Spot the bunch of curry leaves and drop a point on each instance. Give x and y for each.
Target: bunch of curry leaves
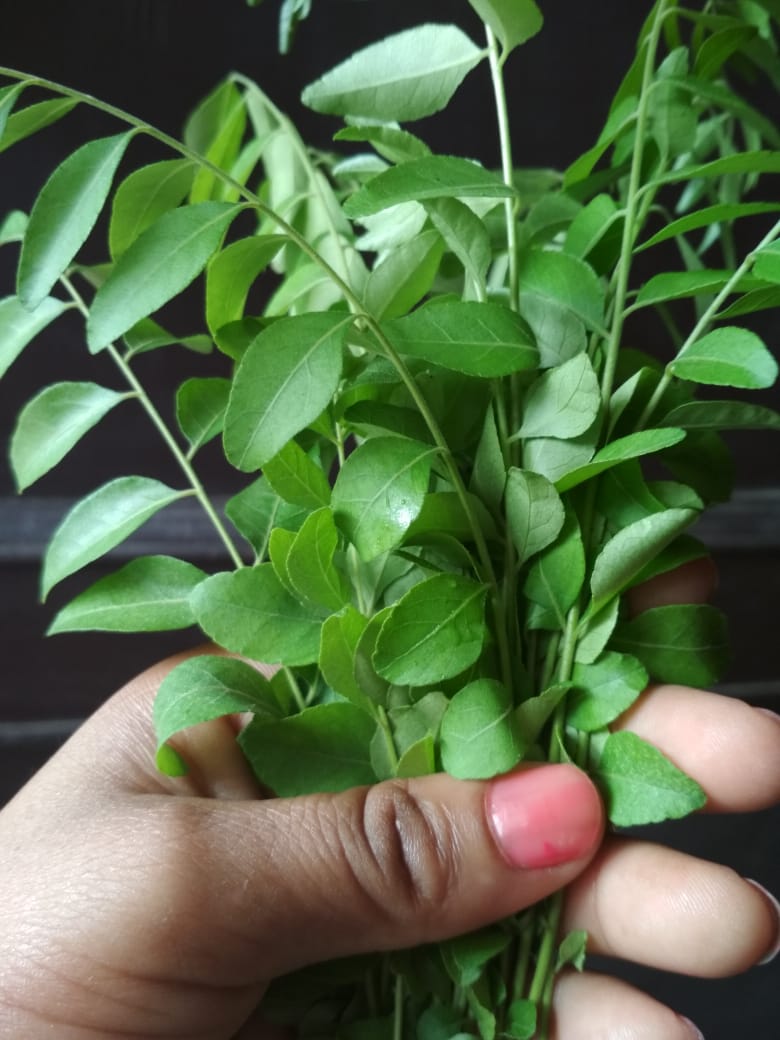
(443, 427)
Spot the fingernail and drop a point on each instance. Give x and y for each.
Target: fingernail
(775, 948)
(544, 816)
(772, 714)
(695, 1031)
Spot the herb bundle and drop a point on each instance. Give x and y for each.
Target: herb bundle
(456, 464)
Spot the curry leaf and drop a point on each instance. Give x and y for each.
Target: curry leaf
(200, 409)
(727, 357)
(534, 512)
(564, 401)
(603, 690)
(479, 737)
(682, 643)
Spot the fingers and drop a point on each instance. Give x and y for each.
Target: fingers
(693, 582)
(731, 749)
(665, 909)
(597, 1007)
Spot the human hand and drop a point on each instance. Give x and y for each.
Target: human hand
(135, 905)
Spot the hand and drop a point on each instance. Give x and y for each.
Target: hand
(139, 906)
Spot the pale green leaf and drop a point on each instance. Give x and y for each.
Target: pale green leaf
(391, 142)
(200, 409)
(310, 565)
(464, 234)
(596, 632)
(512, 21)
(297, 478)
(64, 213)
(53, 422)
(404, 77)
(572, 950)
(160, 263)
(722, 212)
(681, 643)
(231, 273)
(634, 445)
(479, 737)
(101, 521)
(19, 326)
(150, 594)
(603, 690)
(144, 196)
(556, 577)
(559, 333)
(29, 120)
(12, 227)
(404, 277)
(566, 280)
(8, 98)
(563, 402)
(534, 510)
(727, 357)
(767, 263)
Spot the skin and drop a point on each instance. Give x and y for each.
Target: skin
(139, 906)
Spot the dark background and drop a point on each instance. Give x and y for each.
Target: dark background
(157, 58)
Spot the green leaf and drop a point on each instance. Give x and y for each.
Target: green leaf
(250, 612)
(391, 142)
(404, 277)
(596, 633)
(534, 510)
(257, 509)
(433, 177)
(160, 263)
(8, 98)
(286, 378)
(380, 491)
(559, 333)
(533, 713)
(412, 722)
(564, 400)
(521, 1020)
(64, 214)
(633, 446)
(19, 326)
(767, 264)
(206, 687)
(310, 566)
(404, 77)
(684, 644)
(443, 515)
(101, 521)
(419, 759)
(641, 786)
(297, 478)
(150, 594)
(703, 461)
(12, 227)
(512, 21)
(752, 163)
(231, 274)
(677, 285)
(29, 120)
(603, 690)
(727, 357)
(148, 335)
(144, 196)
(554, 458)
(53, 422)
(433, 633)
(200, 409)
(556, 577)
(477, 339)
(324, 748)
(572, 950)
(488, 478)
(341, 634)
(723, 415)
(718, 48)
(632, 548)
(466, 956)
(215, 130)
(464, 234)
(721, 213)
(479, 737)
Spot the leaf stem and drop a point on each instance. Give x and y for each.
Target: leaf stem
(507, 166)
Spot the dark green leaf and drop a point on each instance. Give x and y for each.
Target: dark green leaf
(279, 545)
(723, 415)
(150, 594)
(404, 277)
(521, 1020)
(433, 633)
(466, 956)
(641, 786)
(257, 509)
(464, 234)
(200, 409)
(64, 214)
(159, 264)
(767, 263)
(703, 461)
(148, 335)
(533, 713)
(404, 77)
(231, 274)
(621, 450)
(741, 162)
(556, 577)
(310, 565)
(512, 21)
(250, 612)
(433, 177)
(286, 378)
(534, 510)
(722, 212)
(478, 339)
(677, 285)
(19, 326)
(596, 633)
(101, 521)
(564, 401)
(144, 196)
(325, 748)
(297, 478)
(443, 515)
(718, 48)
(488, 477)
(340, 637)
(757, 300)
(727, 357)
(684, 644)
(29, 120)
(479, 736)
(8, 98)
(603, 690)
(380, 491)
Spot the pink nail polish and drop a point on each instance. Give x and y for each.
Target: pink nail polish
(544, 816)
(775, 949)
(695, 1031)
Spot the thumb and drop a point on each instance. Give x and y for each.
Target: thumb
(402, 863)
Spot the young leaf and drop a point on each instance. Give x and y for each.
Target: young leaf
(433, 177)
(391, 142)
(200, 409)
(324, 748)
(207, 687)
(12, 227)
(297, 478)
(285, 380)
(621, 450)
(678, 285)
(404, 277)
(310, 566)
(684, 643)
(379, 492)
(566, 281)
(477, 339)
(279, 545)
(727, 357)
(572, 950)
(559, 334)
(767, 264)
(433, 633)
(100, 521)
(404, 77)
(8, 98)
(641, 786)
(419, 759)
(257, 509)
(19, 326)
(521, 1020)
(64, 214)
(488, 477)
(632, 548)
(533, 713)
(338, 645)
(52, 422)
(250, 612)
(149, 594)
(512, 21)
(144, 196)
(723, 415)
(159, 264)
(479, 737)
(603, 690)
(723, 212)
(231, 274)
(563, 402)
(466, 956)
(29, 120)
(535, 512)
(555, 578)
(464, 234)
(596, 633)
